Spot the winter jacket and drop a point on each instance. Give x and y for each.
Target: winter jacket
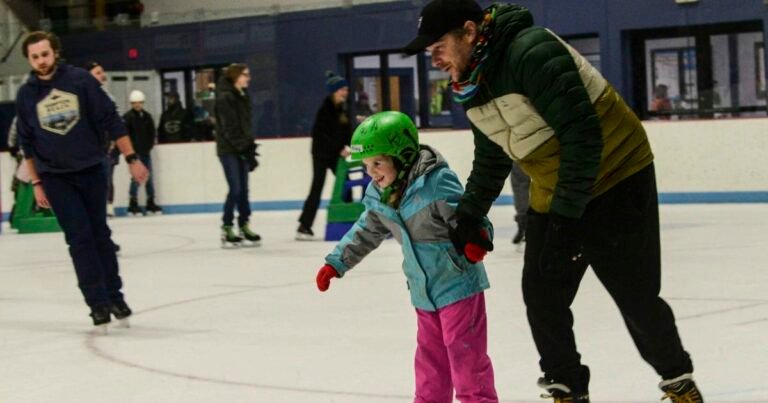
(332, 129)
(62, 121)
(543, 105)
(437, 275)
(175, 125)
(141, 128)
(233, 119)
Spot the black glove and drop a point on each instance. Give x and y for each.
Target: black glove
(469, 230)
(248, 154)
(562, 251)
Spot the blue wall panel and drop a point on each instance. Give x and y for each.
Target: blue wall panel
(290, 52)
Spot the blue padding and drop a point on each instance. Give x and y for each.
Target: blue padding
(664, 198)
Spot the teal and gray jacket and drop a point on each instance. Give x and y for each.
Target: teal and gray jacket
(542, 104)
(437, 275)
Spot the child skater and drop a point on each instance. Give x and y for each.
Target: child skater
(412, 196)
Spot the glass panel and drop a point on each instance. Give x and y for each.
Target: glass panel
(366, 87)
(440, 96)
(721, 73)
(751, 85)
(173, 81)
(403, 85)
(671, 69)
(204, 87)
(589, 48)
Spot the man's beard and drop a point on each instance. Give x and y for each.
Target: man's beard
(46, 70)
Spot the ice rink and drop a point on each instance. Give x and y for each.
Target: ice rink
(249, 325)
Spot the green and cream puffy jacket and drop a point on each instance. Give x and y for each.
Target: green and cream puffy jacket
(541, 104)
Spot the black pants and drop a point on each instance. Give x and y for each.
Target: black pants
(622, 246)
(320, 166)
(77, 199)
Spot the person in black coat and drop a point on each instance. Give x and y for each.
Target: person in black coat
(330, 140)
(236, 150)
(175, 122)
(141, 128)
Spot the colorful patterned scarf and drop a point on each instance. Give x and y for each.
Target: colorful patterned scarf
(465, 90)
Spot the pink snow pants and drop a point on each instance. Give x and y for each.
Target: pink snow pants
(452, 353)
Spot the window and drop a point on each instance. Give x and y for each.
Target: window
(701, 71)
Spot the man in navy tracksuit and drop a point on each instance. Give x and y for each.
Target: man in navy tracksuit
(62, 116)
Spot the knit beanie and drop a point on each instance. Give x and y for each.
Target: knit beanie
(334, 82)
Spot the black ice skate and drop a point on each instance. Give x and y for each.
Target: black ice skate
(100, 315)
(153, 208)
(561, 393)
(681, 390)
(121, 311)
(304, 234)
(228, 237)
(249, 237)
(134, 209)
(519, 239)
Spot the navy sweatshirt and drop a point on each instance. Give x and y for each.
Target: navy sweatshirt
(62, 121)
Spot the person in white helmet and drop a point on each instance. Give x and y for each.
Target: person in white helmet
(141, 128)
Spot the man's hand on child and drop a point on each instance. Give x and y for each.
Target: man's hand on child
(324, 277)
(474, 252)
(470, 231)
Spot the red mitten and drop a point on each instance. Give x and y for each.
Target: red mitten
(474, 252)
(324, 277)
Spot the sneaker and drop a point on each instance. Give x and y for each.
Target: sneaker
(561, 393)
(681, 390)
(304, 234)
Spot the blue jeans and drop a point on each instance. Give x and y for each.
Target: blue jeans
(150, 187)
(236, 172)
(78, 200)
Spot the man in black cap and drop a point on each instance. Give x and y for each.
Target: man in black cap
(535, 100)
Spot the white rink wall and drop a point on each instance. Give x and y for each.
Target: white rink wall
(696, 161)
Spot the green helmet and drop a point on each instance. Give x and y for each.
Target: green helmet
(389, 133)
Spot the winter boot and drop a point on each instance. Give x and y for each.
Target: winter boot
(250, 238)
(100, 316)
(133, 208)
(228, 237)
(153, 208)
(304, 234)
(681, 390)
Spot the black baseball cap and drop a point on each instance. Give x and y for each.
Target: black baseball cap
(440, 17)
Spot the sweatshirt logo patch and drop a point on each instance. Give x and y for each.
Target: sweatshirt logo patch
(58, 112)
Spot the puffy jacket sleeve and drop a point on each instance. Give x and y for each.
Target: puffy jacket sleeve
(229, 122)
(448, 192)
(550, 79)
(490, 169)
(364, 236)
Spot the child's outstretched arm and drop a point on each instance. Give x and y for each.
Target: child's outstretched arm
(364, 236)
